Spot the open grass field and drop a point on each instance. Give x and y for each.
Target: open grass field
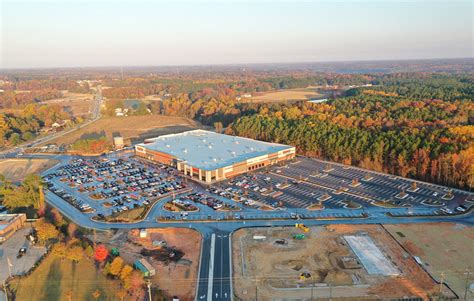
(55, 278)
(442, 247)
(77, 104)
(276, 267)
(16, 169)
(134, 128)
(284, 95)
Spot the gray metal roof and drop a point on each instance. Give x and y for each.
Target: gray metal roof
(208, 150)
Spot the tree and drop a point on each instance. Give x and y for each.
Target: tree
(106, 270)
(57, 217)
(126, 271)
(45, 230)
(116, 266)
(75, 253)
(101, 253)
(60, 250)
(134, 283)
(89, 251)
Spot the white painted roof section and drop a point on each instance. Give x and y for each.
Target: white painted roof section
(209, 150)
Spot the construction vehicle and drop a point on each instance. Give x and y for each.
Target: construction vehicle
(305, 276)
(302, 227)
(299, 236)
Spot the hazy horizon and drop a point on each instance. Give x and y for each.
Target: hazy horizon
(78, 33)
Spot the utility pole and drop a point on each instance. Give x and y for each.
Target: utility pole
(441, 284)
(148, 284)
(312, 289)
(467, 273)
(256, 292)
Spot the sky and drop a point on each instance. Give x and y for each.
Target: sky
(77, 33)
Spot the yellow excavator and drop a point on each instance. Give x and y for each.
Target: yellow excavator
(302, 227)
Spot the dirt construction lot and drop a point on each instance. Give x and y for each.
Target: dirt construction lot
(442, 247)
(284, 95)
(176, 275)
(284, 267)
(77, 104)
(131, 127)
(16, 169)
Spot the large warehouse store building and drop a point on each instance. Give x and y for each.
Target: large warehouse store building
(210, 157)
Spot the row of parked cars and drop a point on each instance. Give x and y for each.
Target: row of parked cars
(84, 207)
(123, 184)
(235, 194)
(458, 209)
(207, 200)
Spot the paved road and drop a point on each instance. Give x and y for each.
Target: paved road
(98, 100)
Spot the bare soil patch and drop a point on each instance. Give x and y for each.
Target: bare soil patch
(173, 252)
(284, 95)
(15, 170)
(77, 104)
(277, 268)
(136, 128)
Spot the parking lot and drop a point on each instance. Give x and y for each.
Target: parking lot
(107, 186)
(305, 188)
(9, 252)
(306, 182)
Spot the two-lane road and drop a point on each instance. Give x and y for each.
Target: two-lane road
(215, 268)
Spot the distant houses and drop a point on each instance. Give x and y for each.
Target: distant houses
(119, 112)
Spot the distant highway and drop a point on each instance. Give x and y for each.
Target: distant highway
(98, 100)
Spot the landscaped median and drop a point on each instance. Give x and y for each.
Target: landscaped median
(241, 217)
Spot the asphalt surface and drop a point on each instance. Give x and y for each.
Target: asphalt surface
(9, 251)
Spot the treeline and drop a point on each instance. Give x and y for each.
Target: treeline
(15, 100)
(47, 83)
(424, 86)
